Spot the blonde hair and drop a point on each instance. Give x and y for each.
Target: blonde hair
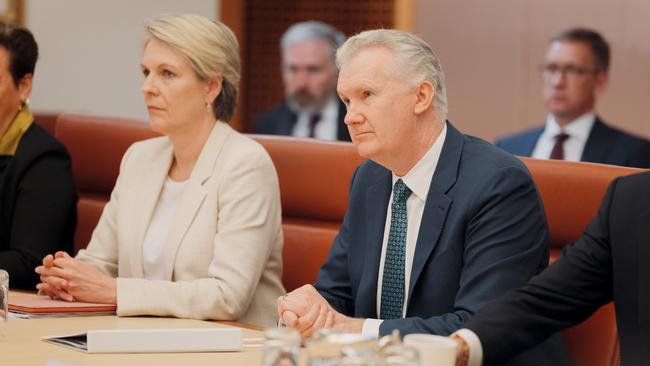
(210, 47)
(412, 56)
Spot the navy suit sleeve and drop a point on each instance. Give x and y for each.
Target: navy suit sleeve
(333, 280)
(565, 294)
(505, 244)
(40, 223)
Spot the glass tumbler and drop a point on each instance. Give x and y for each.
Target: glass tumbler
(4, 300)
(281, 347)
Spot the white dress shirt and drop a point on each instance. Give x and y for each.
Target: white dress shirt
(161, 220)
(418, 180)
(326, 128)
(578, 131)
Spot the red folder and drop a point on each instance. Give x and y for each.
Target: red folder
(38, 304)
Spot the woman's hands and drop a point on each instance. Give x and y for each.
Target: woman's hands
(66, 278)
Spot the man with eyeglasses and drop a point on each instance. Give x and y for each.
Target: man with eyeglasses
(574, 76)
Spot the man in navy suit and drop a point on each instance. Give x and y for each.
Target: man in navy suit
(438, 222)
(309, 73)
(574, 75)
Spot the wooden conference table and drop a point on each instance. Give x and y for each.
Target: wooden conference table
(22, 343)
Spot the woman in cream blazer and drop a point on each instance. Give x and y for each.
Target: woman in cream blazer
(193, 227)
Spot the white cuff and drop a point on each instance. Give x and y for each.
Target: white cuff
(371, 327)
(475, 347)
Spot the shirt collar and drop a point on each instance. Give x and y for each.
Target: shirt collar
(579, 128)
(9, 141)
(418, 179)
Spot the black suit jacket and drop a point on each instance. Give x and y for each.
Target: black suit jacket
(280, 120)
(605, 145)
(610, 261)
(37, 205)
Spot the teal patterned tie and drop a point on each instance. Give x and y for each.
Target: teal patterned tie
(392, 287)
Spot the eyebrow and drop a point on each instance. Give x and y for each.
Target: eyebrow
(163, 65)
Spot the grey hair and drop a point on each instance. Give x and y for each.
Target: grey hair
(312, 30)
(413, 56)
(210, 47)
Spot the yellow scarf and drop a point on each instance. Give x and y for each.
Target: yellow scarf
(20, 124)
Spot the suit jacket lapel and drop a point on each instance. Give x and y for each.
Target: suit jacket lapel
(377, 197)
(528, 146)
(643, 250)
(595, 150)
(286, 121)
(437, 204)
(195, 193)
(151, 183)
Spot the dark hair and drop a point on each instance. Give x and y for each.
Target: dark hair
(598, 44)
(22, 49)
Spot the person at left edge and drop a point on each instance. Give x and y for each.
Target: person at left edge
(193, 227)
(37, 195)
(438, 222)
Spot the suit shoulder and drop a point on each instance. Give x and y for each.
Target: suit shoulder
(265, 121)
(36, 142)
(480, 154)
(520, 137)
(244, 148)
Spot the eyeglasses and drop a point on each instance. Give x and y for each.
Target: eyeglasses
(569, 71)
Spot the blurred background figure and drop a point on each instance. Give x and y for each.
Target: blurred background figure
(192, 229)
(309, 73)
(574, 76)
(37, 195)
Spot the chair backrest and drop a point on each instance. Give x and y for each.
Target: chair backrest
(96, 145)
(314, 180)
(572, 193)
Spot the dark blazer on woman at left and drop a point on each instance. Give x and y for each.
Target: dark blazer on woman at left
(37, 205)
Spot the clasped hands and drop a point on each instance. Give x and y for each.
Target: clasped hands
(307, 311)
(69, 279)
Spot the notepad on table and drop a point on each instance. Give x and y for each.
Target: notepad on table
(33, 305)
(152, 340)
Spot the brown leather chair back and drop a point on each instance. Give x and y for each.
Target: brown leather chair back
(572, 193)
(314, 180)
(47, 121)
(96, 145)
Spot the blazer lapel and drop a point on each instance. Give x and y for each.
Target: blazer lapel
(595, 150)
(152, 182)
(377, 197)
(437, 204)
(195, 193)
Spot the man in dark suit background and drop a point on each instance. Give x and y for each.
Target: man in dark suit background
(574, 76)
(309, 73)
(438, 222)
(608, 262)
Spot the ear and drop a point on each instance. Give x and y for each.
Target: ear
(25, 87)
(213, 89)
(424, 95)
(602, 80)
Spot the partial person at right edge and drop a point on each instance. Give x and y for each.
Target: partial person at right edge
(574, 76)
(609, 262)
(37, 195)
(309, 73)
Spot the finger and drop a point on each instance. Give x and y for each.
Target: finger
(329, 322)
(47, 261)
(47, 289)
(318, 324)
(298, 306)
(52, 271)
(61, 254)
(290, 319)
(62, 262)
(56, 283)
(65, 296)
(306, 321)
